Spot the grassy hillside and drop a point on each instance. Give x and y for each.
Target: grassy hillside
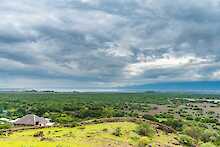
(98, 135)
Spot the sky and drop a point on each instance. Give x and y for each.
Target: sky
(106, 44)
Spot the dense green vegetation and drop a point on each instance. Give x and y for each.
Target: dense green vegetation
(69, 107)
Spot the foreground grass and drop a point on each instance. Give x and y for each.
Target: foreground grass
(99, 135)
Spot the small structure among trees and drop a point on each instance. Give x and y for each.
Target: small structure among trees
(32, 120)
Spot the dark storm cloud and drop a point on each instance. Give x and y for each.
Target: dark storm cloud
(102, 43)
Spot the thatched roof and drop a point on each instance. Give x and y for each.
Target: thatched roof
(30, 119)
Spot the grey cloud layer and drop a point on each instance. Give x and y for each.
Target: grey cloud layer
(108, 43)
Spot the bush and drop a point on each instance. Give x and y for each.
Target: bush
(39, 134)
(117, 132)
(209, 120)
(189, 117)
(164, 115)
(105, 130)
(209, 136)
(2, 133)
(198, 119)
(217, 141)
(175, 124)
(145, 130)
(5, 126)
(149, 117)
(194, 132)
(187, 140)
(143, 142)
(208, 145)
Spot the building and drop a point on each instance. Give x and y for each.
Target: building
(32, 120)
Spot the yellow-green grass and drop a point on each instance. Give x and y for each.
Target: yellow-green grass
(98, 135)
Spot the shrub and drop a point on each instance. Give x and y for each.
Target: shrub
(175, 124)
(145, 130)
(194, 132)
(143, 142)
(217, 141)
(39, 134)
(82, 128)
(117, 132)
(209, 120)
(105, 130)
(209, 136)
(187, 140)
(164, 115)
(5, 126)
(189, 117)
(208, 145)
(2, 133)
(150, 117)
(198, 119)
(46, 139)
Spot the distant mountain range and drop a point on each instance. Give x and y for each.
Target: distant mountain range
(195, 86)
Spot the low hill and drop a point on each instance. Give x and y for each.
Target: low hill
(117, 134)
